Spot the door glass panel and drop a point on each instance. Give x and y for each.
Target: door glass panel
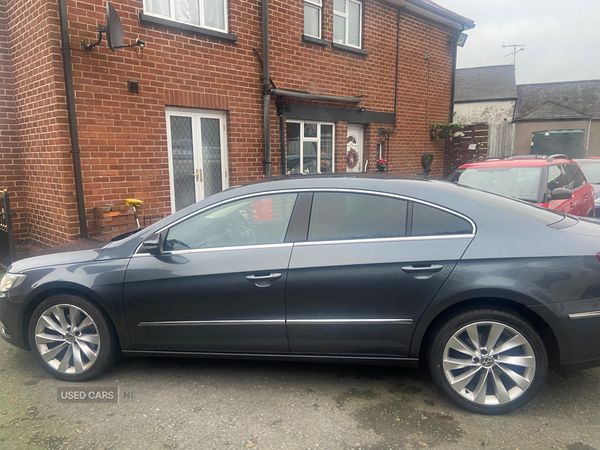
(309, 157)
(211, 156)
(429, 221)
(182, 151)
(326, 148)
(250, 221)
(338, 215)
(293, 147)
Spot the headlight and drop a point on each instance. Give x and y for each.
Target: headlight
(597, 201)
(11, 281)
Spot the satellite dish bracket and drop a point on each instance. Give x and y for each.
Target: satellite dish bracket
(91, 45)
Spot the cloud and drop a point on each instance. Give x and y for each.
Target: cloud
(562, 39)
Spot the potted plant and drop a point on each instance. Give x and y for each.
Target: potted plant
(381, 165)
(444, 130)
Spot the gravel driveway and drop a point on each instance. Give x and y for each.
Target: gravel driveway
(223, 404)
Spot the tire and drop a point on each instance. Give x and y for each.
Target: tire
(482, 380)
(86, 349)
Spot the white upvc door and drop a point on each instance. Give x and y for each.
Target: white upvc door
(355, 142)
(197, 145)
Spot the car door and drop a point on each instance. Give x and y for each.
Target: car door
(219, 285)
(583, 197)
(369, 268)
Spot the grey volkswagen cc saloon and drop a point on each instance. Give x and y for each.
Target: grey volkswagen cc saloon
(489, 292)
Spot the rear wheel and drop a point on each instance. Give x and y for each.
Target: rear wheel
(72, 338)
(489, 361)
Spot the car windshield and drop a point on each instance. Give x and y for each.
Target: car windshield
(591, 170)
(517, 182)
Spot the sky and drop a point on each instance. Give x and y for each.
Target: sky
(562, 37)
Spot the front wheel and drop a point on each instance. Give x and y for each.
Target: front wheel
(72, 338)
(489, 361)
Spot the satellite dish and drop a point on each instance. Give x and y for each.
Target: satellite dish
(114, 28)
(114, 33)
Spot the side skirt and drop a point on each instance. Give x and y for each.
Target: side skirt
(411, 363)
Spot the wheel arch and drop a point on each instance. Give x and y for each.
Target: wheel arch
(547, 330)
(41, 294)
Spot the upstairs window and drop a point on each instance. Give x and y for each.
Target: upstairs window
(203, 13)
(312, 18)
(347, 18)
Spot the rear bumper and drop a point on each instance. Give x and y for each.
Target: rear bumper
(576, 326)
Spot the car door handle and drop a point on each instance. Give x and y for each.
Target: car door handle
(263, 280)
(423, 272)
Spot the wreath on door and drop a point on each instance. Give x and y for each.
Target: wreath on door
(352, 158)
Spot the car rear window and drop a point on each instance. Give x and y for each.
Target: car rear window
(591, 170)
(429, 221)
(517, 182)
(526, 210)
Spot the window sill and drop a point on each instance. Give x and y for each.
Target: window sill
(147, 19)
(314, 40)
(347, 48)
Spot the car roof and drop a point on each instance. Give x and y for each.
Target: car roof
(516, 162)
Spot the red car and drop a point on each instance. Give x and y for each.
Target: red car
(554, 182)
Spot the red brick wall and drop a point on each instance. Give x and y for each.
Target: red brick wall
(11, 177)
(123, 135)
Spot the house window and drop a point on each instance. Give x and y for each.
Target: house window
(347, 16)
(204, 13)
(312, 18)
(309, 147)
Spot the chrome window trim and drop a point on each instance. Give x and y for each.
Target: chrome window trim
(299, 190)
(375, 240)
(585, 315)
(214, 249)
(348, 321)
(192, 323)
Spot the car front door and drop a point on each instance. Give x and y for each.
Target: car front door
(219, 285)
(368, 270)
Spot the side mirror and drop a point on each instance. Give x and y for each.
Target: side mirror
(153, 244)
(561, 194)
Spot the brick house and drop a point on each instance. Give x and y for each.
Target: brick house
(368, 76)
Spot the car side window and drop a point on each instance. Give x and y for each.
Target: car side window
(556, 178)
(341, 215)
(430, 221)
(249, 221)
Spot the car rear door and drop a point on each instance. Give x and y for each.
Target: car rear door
(369, 268)
(583, 193)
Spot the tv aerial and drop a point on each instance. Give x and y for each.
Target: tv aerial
(516, 49)
(114, 33)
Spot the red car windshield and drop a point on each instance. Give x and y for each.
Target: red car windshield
(517, 182)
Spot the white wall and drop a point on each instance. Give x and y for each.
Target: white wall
(484, 112)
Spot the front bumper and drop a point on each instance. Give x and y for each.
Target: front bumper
(11, 321)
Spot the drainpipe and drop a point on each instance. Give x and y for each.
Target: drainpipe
(266, 90)
(397, 62)
(66, 49)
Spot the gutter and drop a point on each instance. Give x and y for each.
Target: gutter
(70, 93)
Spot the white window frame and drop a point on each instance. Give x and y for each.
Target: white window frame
(317, 140)
(317, 4)
(200, 13)
(345, 16)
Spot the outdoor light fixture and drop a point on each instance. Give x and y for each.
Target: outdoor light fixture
(462, 39)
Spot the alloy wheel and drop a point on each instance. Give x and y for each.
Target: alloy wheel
(489, 363)
(67, 339)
